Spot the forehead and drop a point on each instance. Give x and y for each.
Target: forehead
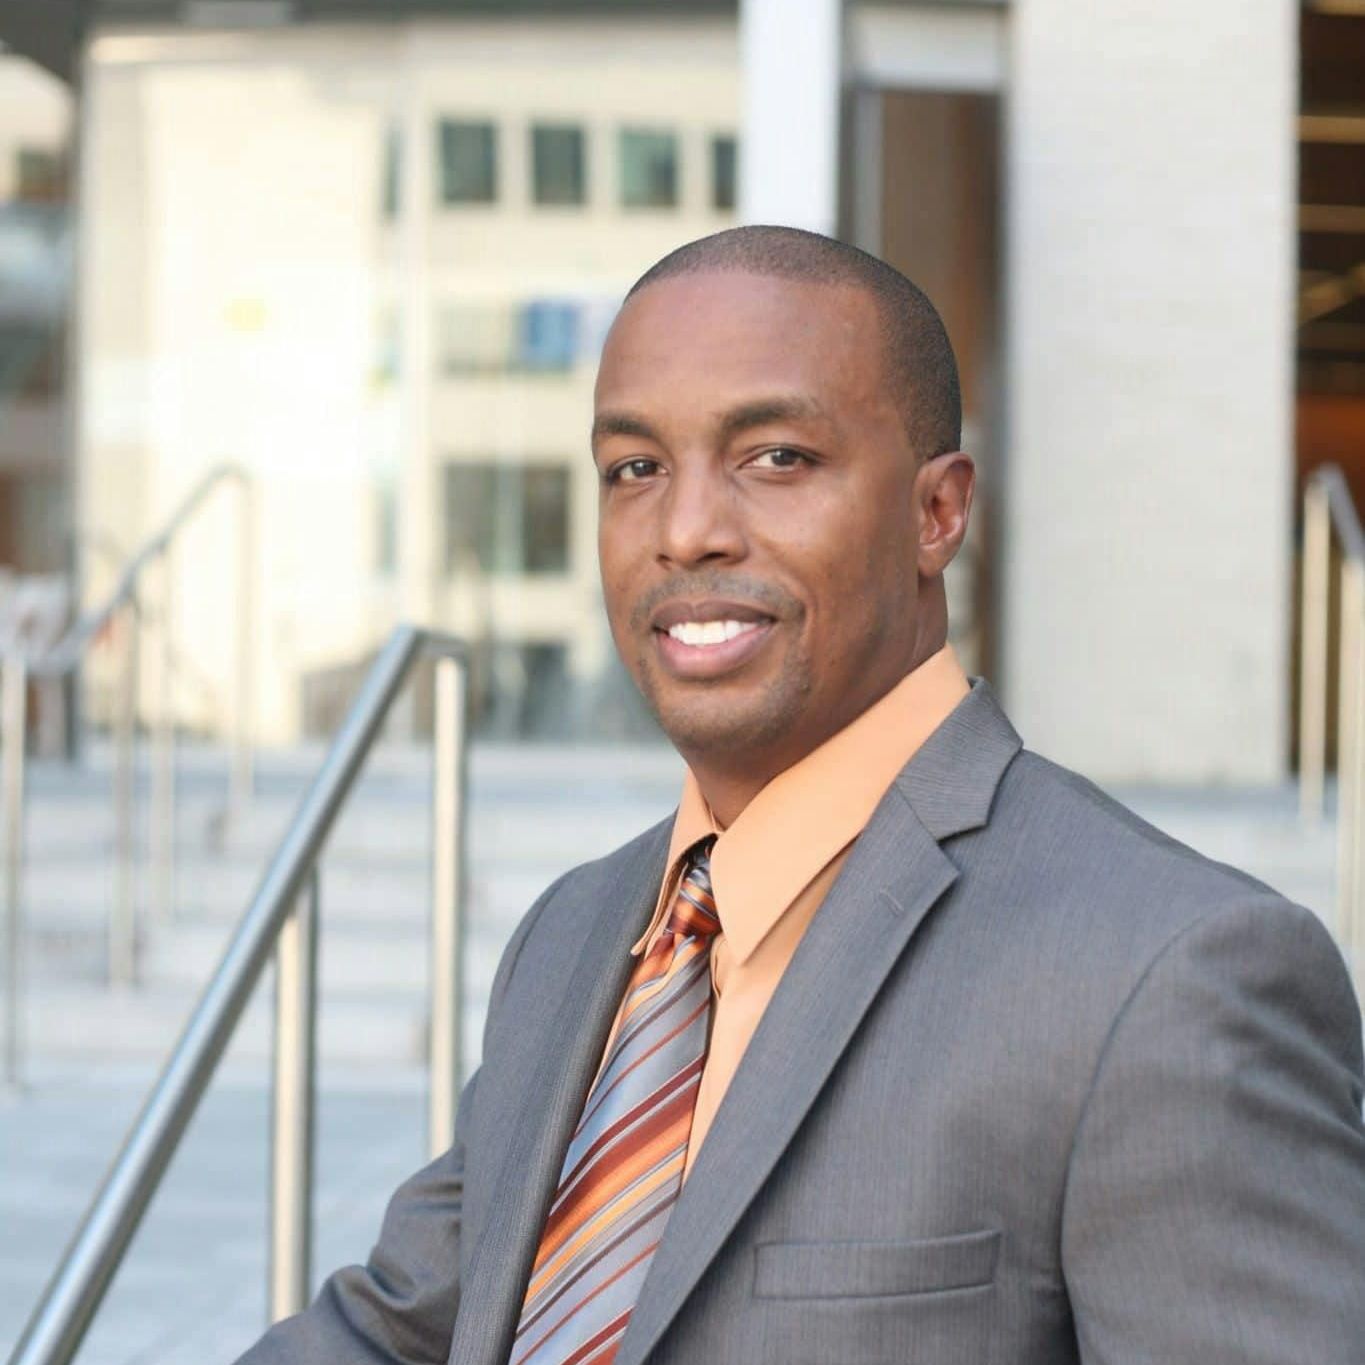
(721, 337)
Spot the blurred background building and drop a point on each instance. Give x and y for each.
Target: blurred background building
(336, 273)
(368, 253)
(373, 265)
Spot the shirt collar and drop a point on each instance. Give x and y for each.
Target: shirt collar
(809, 813)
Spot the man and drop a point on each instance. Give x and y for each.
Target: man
(897, 1042)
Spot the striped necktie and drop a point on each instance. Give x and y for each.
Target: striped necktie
(624, 1167)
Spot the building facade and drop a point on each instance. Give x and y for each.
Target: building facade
(374, 266)
(35, 269)
(1136, 352)
(372, 262)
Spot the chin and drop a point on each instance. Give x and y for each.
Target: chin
(690, 733)
(727, 717)
(718, 726)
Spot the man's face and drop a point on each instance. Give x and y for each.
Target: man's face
(759, 518)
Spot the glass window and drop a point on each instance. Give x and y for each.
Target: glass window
(558, 165)
(541, 336)
(30, 360)
(528, 693)
(547, 335)
(476, 338)
(393, 170)
(387, 349)
(386, 525)
(649, 169)
(34, 286)
(39, 175)
(723, 159)
(512, 518)
(468, 162)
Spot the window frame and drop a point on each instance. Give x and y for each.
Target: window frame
(446, 127)
(626, 132)
(579, 131)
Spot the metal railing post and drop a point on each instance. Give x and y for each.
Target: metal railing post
(447, 891)
(1348, 743)
(1353, 591)
(1317, 553)
(163, 752)
(14, 708)
(123, 912)
(292, 1120)
(242, 776)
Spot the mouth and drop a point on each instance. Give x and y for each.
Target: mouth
(708, 639)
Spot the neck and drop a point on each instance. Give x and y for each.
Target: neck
(727, 794)
(731, 779)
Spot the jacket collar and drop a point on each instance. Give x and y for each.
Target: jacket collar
(951, 780)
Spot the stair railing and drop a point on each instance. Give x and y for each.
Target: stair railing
(1328, 511)
(122, 611)
(282, 918)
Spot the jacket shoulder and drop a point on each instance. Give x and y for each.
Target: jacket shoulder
(1087, 861)
(1082, 812)
(1066, 886)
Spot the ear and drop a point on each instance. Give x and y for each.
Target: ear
(944, 487)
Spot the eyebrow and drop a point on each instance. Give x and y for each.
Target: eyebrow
(764, 410)
(757, 413)
(621, 424)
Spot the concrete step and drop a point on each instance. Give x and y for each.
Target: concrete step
(59, 830)
(354, 888)
(75, 1023)
(376, 914)
(126, 1027)
(388, 961)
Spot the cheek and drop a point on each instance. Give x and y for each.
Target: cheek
(611, 565)
(861, 586)
(622, 584)
(828, 541)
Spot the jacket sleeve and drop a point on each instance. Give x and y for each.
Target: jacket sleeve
(1215, 1202)
(399, 1307)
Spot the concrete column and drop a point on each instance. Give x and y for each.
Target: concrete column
(1147, 558)
(791, 54)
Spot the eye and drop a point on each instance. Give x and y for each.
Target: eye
(780, 457)
(631, 471)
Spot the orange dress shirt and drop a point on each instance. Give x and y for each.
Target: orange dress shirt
(771, 869)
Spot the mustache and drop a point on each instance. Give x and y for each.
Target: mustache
(766, 596)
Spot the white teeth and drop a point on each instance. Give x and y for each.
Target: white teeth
(709, 632)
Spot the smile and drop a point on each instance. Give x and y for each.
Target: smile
(697, 650)
(710, 632)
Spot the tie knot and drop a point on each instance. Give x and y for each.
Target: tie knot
(694, 906)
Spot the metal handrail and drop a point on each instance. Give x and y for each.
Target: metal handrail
(1329, 509)
(122, 605)
(283, 917)
(68, 652)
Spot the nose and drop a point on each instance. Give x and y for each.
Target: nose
(700, 523)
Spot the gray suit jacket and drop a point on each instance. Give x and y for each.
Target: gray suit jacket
(1040, 1085)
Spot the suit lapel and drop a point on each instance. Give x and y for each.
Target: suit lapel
(893, 877)
(538, 1127)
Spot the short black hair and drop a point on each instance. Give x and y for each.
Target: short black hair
(919, 358)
